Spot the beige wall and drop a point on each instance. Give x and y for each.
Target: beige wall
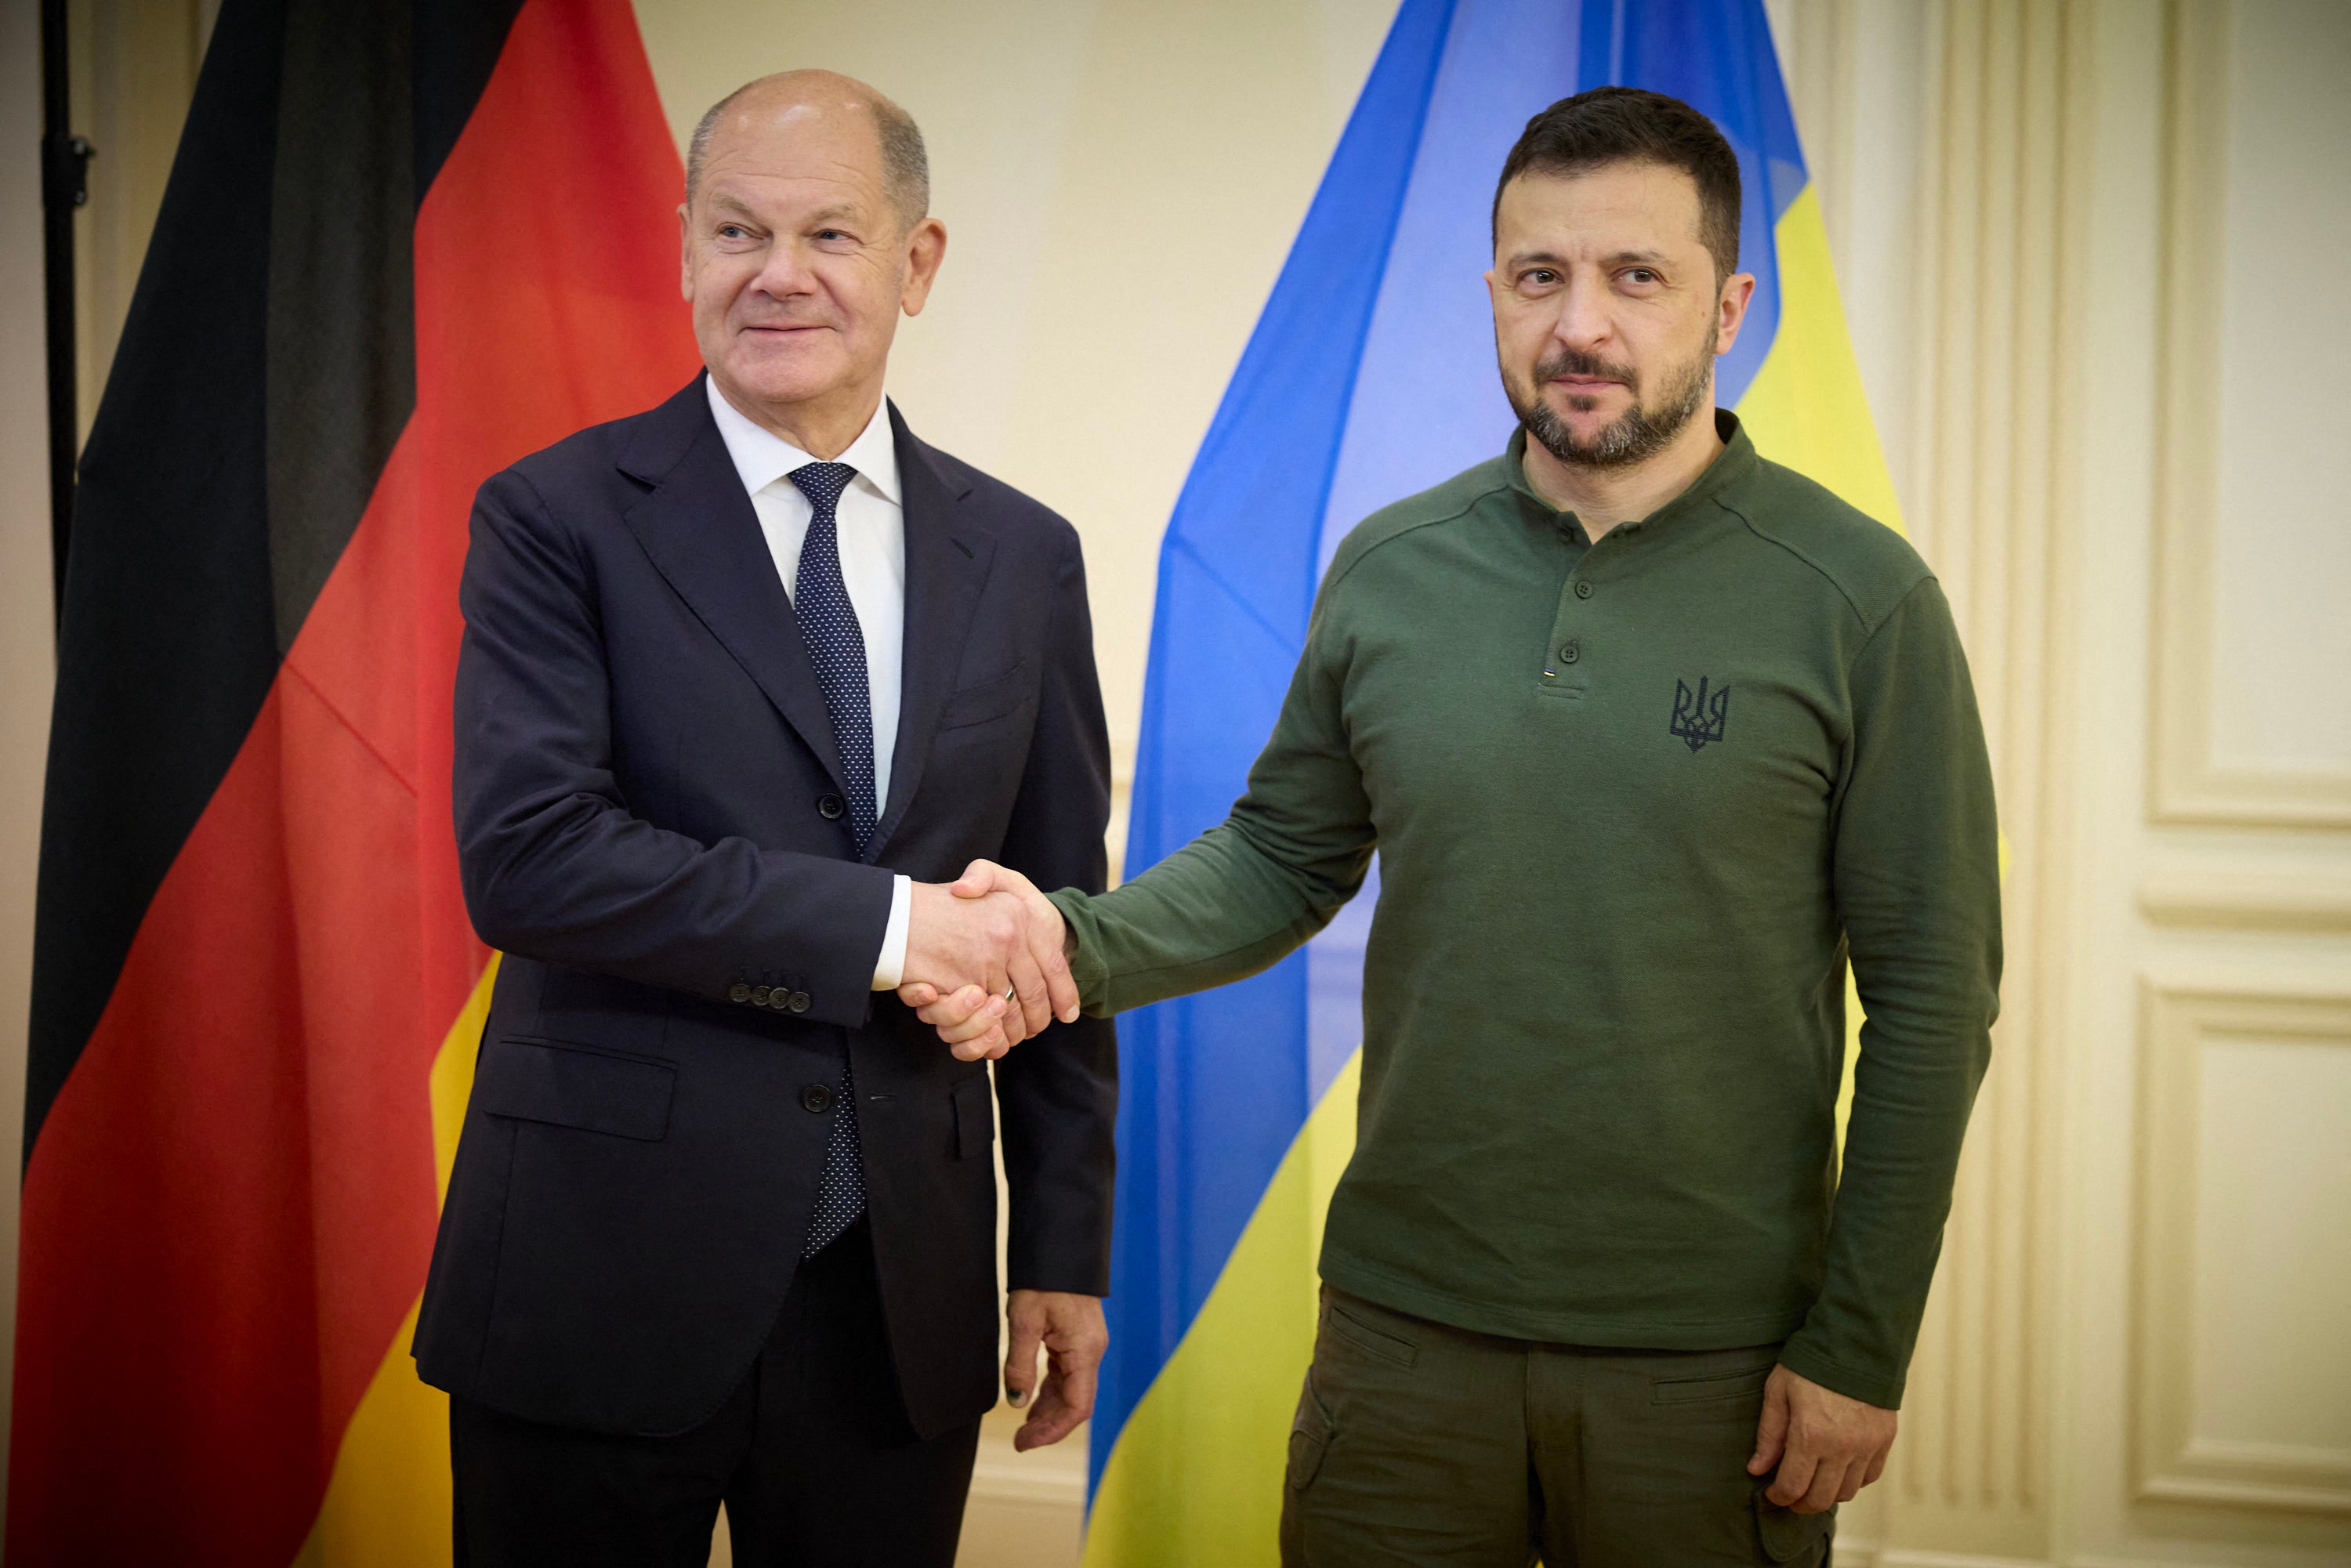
(135, 68)
(2087, 249)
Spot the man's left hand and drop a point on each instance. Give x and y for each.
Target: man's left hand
(1070, 1330)
(1827, 1447)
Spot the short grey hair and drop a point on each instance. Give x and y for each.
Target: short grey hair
(906, 164)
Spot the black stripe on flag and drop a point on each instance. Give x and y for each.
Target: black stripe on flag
(265, 370)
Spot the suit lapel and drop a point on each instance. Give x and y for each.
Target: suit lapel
(703, 537)
(947, 558)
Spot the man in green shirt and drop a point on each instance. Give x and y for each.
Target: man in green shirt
(1652, 738)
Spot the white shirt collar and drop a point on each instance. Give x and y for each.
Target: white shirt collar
(762, 457)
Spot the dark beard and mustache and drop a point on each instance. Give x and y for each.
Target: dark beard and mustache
(1639, 433)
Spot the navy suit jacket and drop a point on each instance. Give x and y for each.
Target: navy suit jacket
(649, 828)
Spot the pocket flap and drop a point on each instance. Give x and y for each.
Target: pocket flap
(1789, 1536)
(576, 1086)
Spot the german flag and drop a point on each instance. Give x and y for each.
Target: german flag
(405, 241)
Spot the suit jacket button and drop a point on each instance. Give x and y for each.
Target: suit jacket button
(760, 995)
(796, 1002)
(816, 1099)
(738, 992)
(831, 808)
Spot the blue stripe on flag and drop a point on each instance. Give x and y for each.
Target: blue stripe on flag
(1215, 1087)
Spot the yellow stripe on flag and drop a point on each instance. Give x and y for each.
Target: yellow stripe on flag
(1196, 1475)
(387, 1503)
(452, 1077)
(1806, 408)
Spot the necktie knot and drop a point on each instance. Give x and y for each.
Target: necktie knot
(822, 483)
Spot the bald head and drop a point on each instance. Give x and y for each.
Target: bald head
(906, 166)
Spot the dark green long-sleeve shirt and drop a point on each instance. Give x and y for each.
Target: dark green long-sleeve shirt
(1635, 802)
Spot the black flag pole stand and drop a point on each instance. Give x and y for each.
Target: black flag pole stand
(64, 186)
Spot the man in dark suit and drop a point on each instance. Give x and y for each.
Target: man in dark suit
(745, 679)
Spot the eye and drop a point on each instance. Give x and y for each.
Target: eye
(1641, 275)
(731, 231)
(1539, 276)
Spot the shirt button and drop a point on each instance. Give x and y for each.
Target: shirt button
(738, 992)
(816, 1099)
(1583, 591)
(796, 1002)
(831, 806)
(1569, 653)
(759, 996)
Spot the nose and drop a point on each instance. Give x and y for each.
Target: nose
(1583, 320)
(786, 272)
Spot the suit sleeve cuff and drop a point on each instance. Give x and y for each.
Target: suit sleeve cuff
(890, 966)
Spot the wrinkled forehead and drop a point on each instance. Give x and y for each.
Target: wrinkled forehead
(1601, 211)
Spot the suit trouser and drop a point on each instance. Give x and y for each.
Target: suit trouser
(1416, 1444)
(812, 1455)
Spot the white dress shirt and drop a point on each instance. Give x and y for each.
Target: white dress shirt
(871, 523)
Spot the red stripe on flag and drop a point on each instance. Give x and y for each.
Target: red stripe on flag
(230, 1207)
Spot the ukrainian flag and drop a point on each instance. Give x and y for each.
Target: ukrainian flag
(1370, 376)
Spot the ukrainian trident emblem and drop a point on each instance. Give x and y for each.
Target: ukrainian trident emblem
(1698, 715)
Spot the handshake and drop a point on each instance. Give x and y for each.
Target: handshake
(986, 961)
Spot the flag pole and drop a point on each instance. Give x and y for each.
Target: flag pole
(64, 186)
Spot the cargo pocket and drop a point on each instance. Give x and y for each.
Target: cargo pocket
(1800, 1540)
(1310, 1432)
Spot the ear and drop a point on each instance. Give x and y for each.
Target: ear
(1731, 310)
(926, 246)
(684, 256)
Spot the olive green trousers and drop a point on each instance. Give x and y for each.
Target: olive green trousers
(1418, 1445)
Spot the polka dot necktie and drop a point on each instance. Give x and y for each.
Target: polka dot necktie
(836, 646)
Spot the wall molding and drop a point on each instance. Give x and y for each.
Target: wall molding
(2248, 902)
(2006, 157)
(2187, 783)
(2170, 1462)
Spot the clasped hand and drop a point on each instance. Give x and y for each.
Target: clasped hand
(985, 964)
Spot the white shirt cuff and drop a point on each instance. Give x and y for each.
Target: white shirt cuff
(889, 968)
